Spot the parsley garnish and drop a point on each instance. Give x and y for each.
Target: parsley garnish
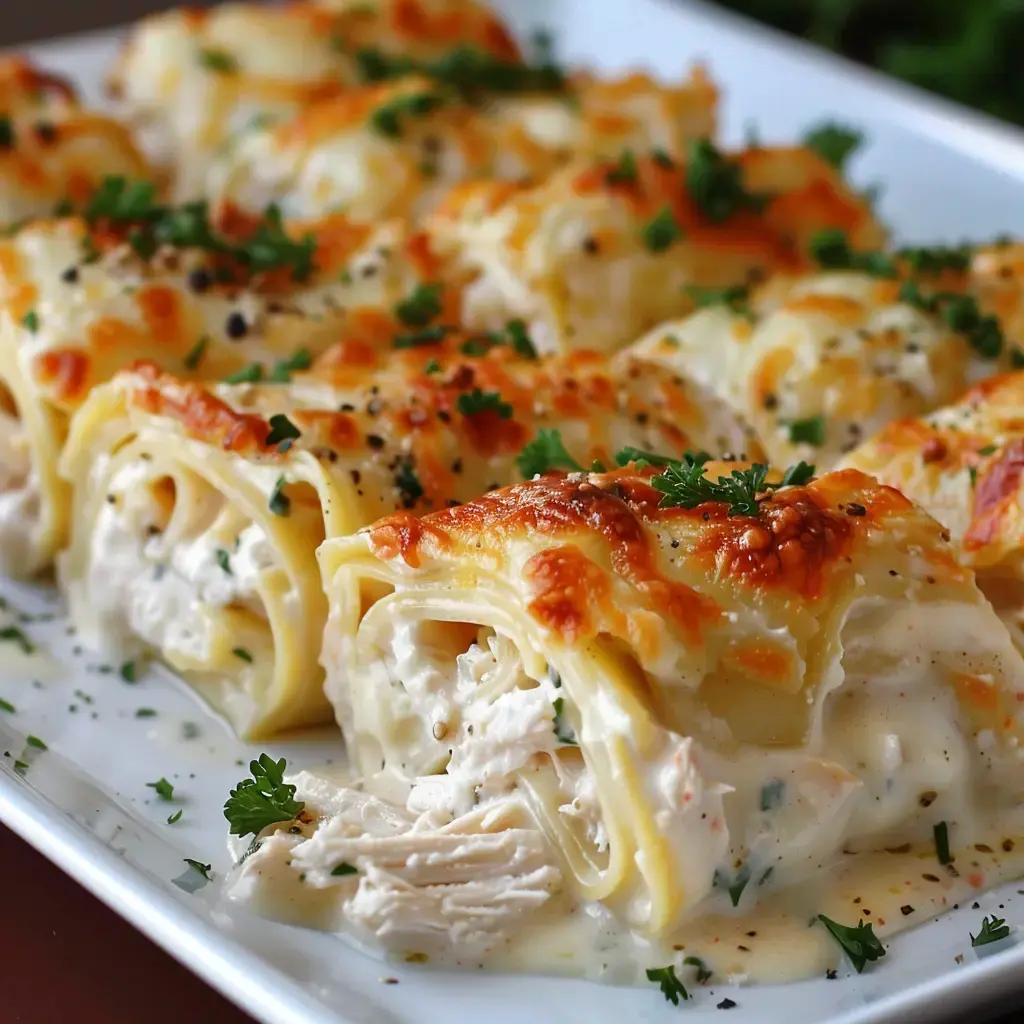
(703, 971)
(224, 561)
(408, 483)
(624, 172)
(17, 636)
(661, 232)
(934, 259)
(251, 374)
(284, 368)
(344, 868)
(175, 817)
(422, 306)
(992, 930)
(263, 800)
(736, 885)
(834, 142)
(203, 869)
(432, 367)
(145, 713)
(860, 944)
(798, 475)
(31, 321)
(242, 654)
(118, 199)
(35, 741)
(6, 705)
(519, 339)
(218, 60)
(716, 184)
(831, 248)
(962, 314)
(736, 298)
(196, 353)
(387, 118)
(685, 484)
(280, 504)
(281, 429)
(545, 452)
(941, 831)
(771, 794)
(562, 731)
(428, 336)
(271, 247)
(671, 987)
(128, 672)
(163, 788)
(808, 431)
(642, 458)
(472, 403)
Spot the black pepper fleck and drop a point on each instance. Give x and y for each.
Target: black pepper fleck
(235, 326)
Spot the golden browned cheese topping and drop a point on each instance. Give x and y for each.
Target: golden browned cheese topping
(20, 78)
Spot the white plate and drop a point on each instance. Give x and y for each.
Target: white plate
(947, 175)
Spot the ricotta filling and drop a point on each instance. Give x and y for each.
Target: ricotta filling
(21, 499)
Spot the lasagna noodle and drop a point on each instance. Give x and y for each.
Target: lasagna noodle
(600, 252)
(189, 80)
(816, 364)
(77, 303)
(395, 148)
(713, 687)
(195, 537)
(53, 151)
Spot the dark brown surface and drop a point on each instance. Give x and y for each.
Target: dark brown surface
(66, 959)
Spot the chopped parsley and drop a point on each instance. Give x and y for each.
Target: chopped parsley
(716, 185)
(118, 199)
(196, 353)
(175, 817)
(771, 794)
(563, 732)
(624, 172)
(242, 654)
(145, 713)
(736, 298)
(735, 885)
(703, 971)
(671, 987)
(407, 483)
(15, 635)
(218, 60)
(661, 232)
(937, 258)
(6, 133)
(284, 368)
(224, 561)
(344, 868)
(519, 339)
(6, 705)
(475, 402)
(422, 306)
(961, 314)
(798, 475)
(544, 453)
(163, 788)
(279, 503)
(427, 336)
(833, 142)
(941, 832)
(263, 800)
(860, 944)
(31, 321)
(831, 249)
(35, 741)
(432, 367)
(685, 484)
(203, 869)
(281, 430)
(808, 431)
(251, 374)
(388, 117)
(129, 672)
(992, 930)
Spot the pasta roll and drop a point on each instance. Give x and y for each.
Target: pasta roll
(190, 80)
(601, 252)
(198, 511)
(817, 364)
(395, 148)
(80, 299)
(674, 709)
(52, 151)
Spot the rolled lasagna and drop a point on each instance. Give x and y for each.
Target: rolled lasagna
(965, 464)
(81, 298)
(648, 715)
(603, 251)
(819, 363)
(52, 151)
(395, 148)
(190, 79)
(198, 511)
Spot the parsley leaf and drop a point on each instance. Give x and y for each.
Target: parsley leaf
(279, 503)
(703, 971)
(407, 483)
(808, 431)
(685, 484)
(196, 353)
(129, 672)
(519, 339)
(545, 452)
(281, 429)
(798, 475)
(624, 456)
(941, 831)
(671, 987)
(344, 868)
(860, 944)
(422, 306)
(834, 142)
(224, 561)
(387, 118)
(271, 247)
(992, 930)
(472, 403)
(563, 732)
(624, 172)
(6, 705)
(661, 232)
(242, 654)
(118, 199)
(31, 321)
(6, 133)
(251, 374)
(934, 259)
(716, 184)
(218, 60)
(427, 336)
(735, 297)
(163, 788)
(175, 817)
(35, 741)
(203, 869)
(735, 885)
(263, 800)
(284, 368)
(17, 635)
(831, 248)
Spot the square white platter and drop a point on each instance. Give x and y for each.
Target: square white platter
(946, 174)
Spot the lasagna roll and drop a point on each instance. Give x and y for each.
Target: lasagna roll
(964, 464)
(52, 151)
(569, 702)
(80, 299)
(603, 251)
(394, 149)
(819, 363)
(190, 79)
(198, 511)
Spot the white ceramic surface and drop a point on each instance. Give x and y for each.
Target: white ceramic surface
(947, 175)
